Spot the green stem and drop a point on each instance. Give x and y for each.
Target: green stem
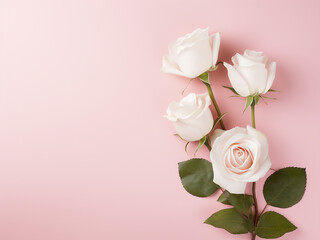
(263, 210)
(255, 216)
(207, 145)
(215, 104)
(253, 121)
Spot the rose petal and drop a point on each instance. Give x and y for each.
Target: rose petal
(195, 60)
(195, 129)
(189, 39)
(169, 62)
(264, 148)
(232, 186)
(170, 67)
(255, 77)
(261, 172)
(217, 133)
(223, 141)
(215, 40)
(205, 103)
(187, 132)
(247, 61)
(171, 111)
(237, 82)
(252, 53)
(271, 75)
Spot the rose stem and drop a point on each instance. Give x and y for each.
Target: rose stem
(207, 145)
(255, 209)
(255, 218)
(253, 121)
(215, 104)
(263, 210)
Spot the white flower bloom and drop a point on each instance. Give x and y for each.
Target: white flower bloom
(193, 54)
(251, 73)
(238, 156)
(191, 116)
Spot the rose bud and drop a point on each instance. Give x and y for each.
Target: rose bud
(193, 54)
(251, 73)
(191, 116)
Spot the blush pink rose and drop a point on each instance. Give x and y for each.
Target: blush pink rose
(238, 156)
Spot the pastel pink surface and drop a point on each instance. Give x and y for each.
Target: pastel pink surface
(84, 150)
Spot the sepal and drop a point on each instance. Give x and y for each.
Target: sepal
(204, 77)
(231, 89)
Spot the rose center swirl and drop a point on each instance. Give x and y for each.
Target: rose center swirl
(238, 158)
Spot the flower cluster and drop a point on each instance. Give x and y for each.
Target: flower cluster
(238, 155)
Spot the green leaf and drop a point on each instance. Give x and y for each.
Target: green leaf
(249, 102)
(205, 77)
(217, 121)
(273, 225)
(256, 99)
(197, 177)
(229, 219)
(285, 187)
(223, 199)
(250, 224)
(241, 202)
(272, 90)
(201, 142)
(231, 89)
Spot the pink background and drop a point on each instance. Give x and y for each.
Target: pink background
(84, 150)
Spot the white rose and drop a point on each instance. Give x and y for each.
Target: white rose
(191, 116)
(239, 156)
(193, 54)
(251, 73)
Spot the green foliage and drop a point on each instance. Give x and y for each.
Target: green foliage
(248, 103)
(205, 77)
(273, 225)
(217, 121)
(229, 219)
(285, 187)
(231, 89)
(241, 202)
(272, 90)
(186, 146)
(250, 224)
(197, 177)
(251, 101)
(223, 199)
(201, 142)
